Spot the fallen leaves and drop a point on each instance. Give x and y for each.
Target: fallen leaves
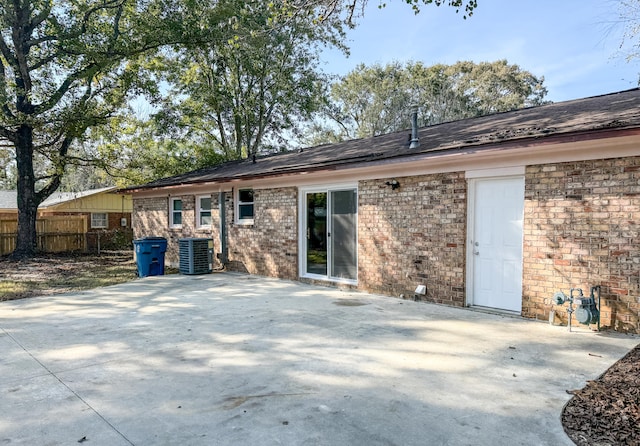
(606, 412)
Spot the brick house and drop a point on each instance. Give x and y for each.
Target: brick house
(104, 213)
(499, 211)
(105, 208)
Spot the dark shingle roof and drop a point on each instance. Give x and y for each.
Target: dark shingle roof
(581, 116)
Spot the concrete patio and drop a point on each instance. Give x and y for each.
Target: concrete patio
(230, 359)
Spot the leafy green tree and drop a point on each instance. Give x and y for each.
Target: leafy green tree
(351, 10)
(377, 99)
(67, 66)
(370, 98)
(497, 86)
(136, 151)
(81, 177)
(228, 99)
(248, 95)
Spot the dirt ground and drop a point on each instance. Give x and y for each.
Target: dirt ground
(60, 273)
(604, 413)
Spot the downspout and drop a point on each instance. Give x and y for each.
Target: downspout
(223, 254)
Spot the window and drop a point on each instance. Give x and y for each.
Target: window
(175, 213)
(99, 220)
(244, 207)
(203, 215)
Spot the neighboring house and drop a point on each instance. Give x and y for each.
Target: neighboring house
(101, 210)
(498, 212)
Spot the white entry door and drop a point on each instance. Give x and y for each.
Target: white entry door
(496, 243)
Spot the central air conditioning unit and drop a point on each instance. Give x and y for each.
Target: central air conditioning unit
(196, 255)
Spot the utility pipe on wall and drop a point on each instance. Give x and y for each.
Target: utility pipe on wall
(223, 256)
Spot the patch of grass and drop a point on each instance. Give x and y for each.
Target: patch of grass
(7, 288)
(96, 277)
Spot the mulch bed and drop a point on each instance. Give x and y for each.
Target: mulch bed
(607, 411)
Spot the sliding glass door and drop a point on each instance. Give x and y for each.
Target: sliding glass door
(330, 224)
(343, 241)
(317, 233)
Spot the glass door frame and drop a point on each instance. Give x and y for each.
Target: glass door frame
(302, 230)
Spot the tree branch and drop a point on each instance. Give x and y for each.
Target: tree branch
(3, 86)
(116, 27)
(6, 53)
(87, 72)
(38, 19)
(20, 29)
(56, 177)
(8, 134)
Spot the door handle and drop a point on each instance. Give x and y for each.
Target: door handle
(477, 253)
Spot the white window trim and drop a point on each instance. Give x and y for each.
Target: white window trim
(236, 207)
(199, 210)
(171, 201)
(106, 220)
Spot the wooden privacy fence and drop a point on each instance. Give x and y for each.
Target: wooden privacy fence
(55, 234)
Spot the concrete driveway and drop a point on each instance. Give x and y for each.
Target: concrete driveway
(229, 359)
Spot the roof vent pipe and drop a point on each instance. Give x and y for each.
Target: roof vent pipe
(415, 141)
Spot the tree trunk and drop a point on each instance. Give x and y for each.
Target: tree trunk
(26, 242)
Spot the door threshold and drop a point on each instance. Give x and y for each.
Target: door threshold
(499, 311)
(323, 281)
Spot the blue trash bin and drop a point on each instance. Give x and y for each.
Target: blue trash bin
(150, 255)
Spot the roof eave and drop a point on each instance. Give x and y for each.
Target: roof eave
(521, 142)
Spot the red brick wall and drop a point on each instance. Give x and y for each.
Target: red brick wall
(414, 235)
(114, 220)
(269, 247)
(151, 218)
(582, 228)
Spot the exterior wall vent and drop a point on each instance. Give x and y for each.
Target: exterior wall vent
(196, 255)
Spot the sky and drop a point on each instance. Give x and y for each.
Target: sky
(574, 44)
